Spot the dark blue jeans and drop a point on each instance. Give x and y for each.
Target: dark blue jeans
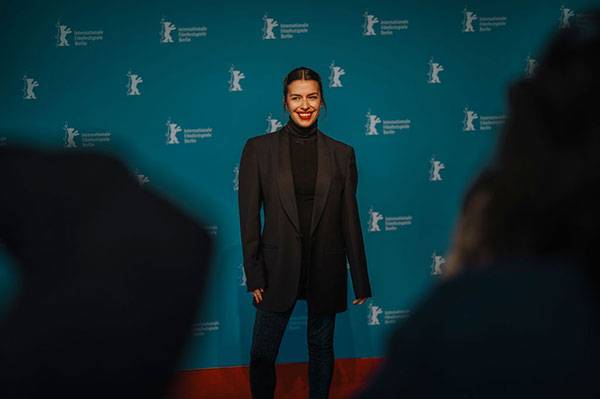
(266, 339)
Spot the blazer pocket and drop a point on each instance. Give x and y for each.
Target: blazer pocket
(267, 246)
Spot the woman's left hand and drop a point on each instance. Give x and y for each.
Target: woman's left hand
(359, 301)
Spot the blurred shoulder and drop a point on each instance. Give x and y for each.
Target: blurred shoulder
(261, 139)
(338, 146)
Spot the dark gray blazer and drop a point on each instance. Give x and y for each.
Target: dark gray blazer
(272, 255)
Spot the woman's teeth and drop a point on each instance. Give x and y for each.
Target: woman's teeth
(305, 115)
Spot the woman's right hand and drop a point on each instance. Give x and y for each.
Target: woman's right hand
(257, 293)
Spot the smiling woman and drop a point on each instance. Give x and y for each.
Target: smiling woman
(303, 96)
(306, 182)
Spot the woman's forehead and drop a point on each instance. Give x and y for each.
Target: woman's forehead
(303, 87)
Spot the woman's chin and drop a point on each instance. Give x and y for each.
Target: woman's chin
(304, 122)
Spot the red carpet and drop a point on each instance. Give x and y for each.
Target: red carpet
(292, 381)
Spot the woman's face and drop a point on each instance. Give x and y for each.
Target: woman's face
(303, 101)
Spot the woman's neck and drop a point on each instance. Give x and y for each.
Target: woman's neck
(301, 131)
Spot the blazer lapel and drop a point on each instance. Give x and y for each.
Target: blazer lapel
(324, 171)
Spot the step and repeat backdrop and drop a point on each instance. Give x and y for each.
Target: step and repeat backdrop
(175, 88)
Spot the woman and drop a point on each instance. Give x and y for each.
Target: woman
(306, 183)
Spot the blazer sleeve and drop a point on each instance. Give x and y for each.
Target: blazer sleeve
(351, 227)
(250, 201)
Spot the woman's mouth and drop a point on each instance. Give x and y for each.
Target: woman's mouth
(304, 115)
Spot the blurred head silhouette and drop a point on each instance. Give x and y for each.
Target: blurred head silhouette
(537, 196)
(547, 163)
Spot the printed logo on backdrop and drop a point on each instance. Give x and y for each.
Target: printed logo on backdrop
(80, 37)
(469, 120)
(141, 178)
(485, 23)
(583, 20)
(73, 138)
(390, 126)
(273, 124)
(335, 73)
(387, 27)
(166, 31)
(390, 223)
(241, 275)
(171, 33)
(269, 24)
(369, 23)
(530, 66)
(190, 136)
(235, 76)
(133, 81)
(62, 35)
(286, 31)
(565, 17)
(469, 17)
(172, 130)
(211, 230)
(29, 84)
(236, 178)
(435, 169)
(438, 263)
(376, 313)
(433, 76)
(204, 328)
(486, 122)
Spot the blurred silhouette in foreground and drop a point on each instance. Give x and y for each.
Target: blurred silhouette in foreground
(111, 279)
(519, 316)
(468, 247)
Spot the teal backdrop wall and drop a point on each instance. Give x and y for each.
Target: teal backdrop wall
(175, 88)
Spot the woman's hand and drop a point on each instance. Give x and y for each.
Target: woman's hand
(359, 301)
(257, 294)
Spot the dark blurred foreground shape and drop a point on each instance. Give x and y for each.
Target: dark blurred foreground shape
(112, 277)
(522, 328)
(520, 316)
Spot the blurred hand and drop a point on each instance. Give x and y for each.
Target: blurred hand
(257, 294)
(359, 301)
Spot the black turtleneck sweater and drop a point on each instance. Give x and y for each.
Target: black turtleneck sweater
(303, 154)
